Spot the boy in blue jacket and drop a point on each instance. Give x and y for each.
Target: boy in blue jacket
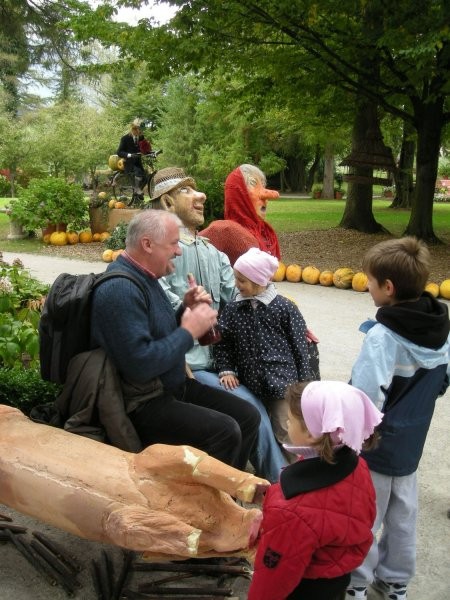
(403, 368)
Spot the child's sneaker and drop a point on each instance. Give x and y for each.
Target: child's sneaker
(390, 591)
(356, 593)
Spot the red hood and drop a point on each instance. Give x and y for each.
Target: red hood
(239, 208)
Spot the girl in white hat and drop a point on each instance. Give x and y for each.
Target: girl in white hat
(264, 344)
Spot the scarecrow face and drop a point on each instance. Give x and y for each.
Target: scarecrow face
(189, 205)
(259, 196)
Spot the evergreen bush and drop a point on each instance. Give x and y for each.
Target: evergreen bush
(24, 388)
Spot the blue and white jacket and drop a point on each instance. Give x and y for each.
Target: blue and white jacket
(403, 367)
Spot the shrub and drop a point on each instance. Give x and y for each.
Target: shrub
(116, 240)
(5, 186)
(50, 200)
(24, 388)
(21, 300)
(214, 206)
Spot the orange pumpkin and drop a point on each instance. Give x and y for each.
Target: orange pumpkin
(326, 278)
(293, 273)
(311, 275)
(85, 237)
(342, 278)
(432, 288)
(444, 289)
(104, 236)
(58, 238)
(96, 237)
(119, 204)
(107, 255)
(72, 237)
(360, 282)
(46, 238)
(280, 273)
(112, 162)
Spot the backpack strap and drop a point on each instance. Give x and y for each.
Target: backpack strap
(112, 274)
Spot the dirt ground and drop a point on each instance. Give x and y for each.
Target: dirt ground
(326, 249)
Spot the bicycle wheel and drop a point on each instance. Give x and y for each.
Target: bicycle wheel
(122, 187)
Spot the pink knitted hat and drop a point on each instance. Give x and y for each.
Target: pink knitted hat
(256, 265)
(340, 409)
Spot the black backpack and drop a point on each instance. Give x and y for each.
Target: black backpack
(64, 327)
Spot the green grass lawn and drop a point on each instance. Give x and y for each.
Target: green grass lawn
(287, 214)
(33, 245)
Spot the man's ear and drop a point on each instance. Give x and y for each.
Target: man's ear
(167, 203)
(147, 245)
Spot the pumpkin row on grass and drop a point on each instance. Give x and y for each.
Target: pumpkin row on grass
(343, 278)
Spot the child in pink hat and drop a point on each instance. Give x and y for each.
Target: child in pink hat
(264, 344)
(317, 520)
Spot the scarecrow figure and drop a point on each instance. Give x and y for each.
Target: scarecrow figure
(244, 225)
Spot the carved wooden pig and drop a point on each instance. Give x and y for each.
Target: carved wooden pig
(167, 502)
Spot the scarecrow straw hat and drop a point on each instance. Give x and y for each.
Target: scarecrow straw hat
(168, 180)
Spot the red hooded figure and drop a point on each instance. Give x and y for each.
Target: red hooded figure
(244, 226)
(242, 204)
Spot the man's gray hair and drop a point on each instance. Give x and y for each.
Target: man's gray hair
(151, 223)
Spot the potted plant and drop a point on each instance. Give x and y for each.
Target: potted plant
(316, 190)
(338, 193)
(388, 191)
(50, 202)
(99, 212)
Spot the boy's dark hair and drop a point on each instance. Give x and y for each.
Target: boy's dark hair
(405, 261)
(324, 444)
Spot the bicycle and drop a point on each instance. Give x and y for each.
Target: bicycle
(123, 184)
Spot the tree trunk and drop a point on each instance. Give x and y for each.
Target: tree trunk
(295, 174)
(430, 122)
(12, 182)
(403, 176)
(313, 168)
(358, 206)
(328, 172)
(358, 212)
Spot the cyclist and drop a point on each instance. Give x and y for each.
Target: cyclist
(131, 146)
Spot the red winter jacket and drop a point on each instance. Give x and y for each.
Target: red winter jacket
(315, 524)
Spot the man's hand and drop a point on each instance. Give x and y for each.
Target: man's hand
(196, 295)
(199, 319)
